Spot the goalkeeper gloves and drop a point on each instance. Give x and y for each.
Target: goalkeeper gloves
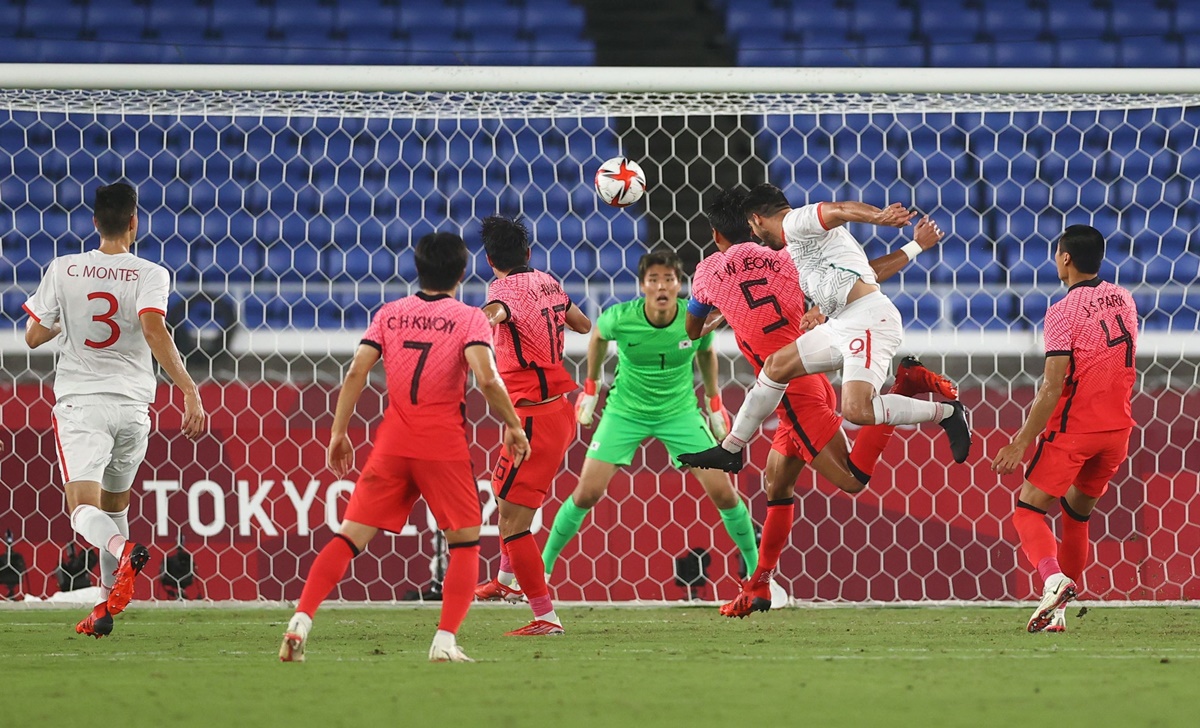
(585, 403)
(718, 418)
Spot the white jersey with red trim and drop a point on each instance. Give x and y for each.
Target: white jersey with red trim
(827, 261)
(98, 300)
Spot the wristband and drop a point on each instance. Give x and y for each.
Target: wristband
(911, 250)
(589, 387)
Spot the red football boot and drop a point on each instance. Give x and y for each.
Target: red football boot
(913, 378)
(754, 598)
(133, 560)
(537, 628)
(97, 624)
(492, 590)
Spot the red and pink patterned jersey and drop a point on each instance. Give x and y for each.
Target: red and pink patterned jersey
(423, 340)
(529, 344)
(1097, 326)
(757, 290)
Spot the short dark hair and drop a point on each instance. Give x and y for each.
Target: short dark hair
(659, 257)
(441, 261)
(114, 205)
(506, 241)
(765, 199)
(1085, 245)
(726, 214)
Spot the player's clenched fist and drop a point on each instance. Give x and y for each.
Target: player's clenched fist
(895, 215)
(585, 403)
(927, 233)
(718, 418)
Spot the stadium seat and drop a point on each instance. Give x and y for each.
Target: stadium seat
(1024, 54)
(294, 15)
(53, 21)
(1140, 19)
(358, 16)
(768, 48)
(562, 48)
(965, 53)
(745, 18)
(918, 311)
(1077, 19)
(1191, 50)
(545, 15)
(981, 310)
(938, 17)
(418, 18)
(845, 54)
(893, 55)
(1187, 19)
(820, 21)
(1087, 53)
(436, 46)
(490, 15)
(890, 22)
(1004, 23)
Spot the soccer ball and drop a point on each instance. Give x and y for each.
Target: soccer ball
(620, 182)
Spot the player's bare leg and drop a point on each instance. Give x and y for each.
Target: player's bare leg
(782, 472)
(458, 591)
(515, 522)
(99, 529)
(735, 516)
(593, 483)
(328, 569)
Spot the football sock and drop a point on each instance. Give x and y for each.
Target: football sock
(108, 562)
(868, 448)
(741, 530)
(327, 570)
(567, 522)
(776, 529)
(761, 401)
(528, 565)
(505, 575)
(1037, 541)
(1074, 553)
(98, 529)
(458, 588)
(896, 409)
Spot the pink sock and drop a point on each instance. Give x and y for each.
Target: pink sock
(1048, 567)
(541, 606)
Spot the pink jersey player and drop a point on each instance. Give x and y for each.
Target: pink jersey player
(529, 343)
(422, 339)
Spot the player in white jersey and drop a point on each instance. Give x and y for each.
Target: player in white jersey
(860, 336)
(106, 307)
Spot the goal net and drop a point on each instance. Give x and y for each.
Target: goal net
(286, 218)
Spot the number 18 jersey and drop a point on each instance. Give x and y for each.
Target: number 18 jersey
(756, 289)
(98, 299)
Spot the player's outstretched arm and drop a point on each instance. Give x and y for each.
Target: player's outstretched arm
(718, 417)
(487, 378)
(836, 214)
(578, 321)
(36, 334)
(585, 403)
(926, 235)
(339, 456)
(1010, 456)
(154, 328)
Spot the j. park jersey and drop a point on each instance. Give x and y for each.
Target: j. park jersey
(529, 343)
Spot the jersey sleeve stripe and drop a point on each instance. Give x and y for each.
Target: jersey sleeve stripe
(821, 217)
(29, 311)
(469, 344)
(373, 344)
(152, 309)
(1059, 352)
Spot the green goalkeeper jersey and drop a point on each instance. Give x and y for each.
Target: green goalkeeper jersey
(654, 379)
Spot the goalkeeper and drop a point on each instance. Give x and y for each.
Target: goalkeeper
(653, 395)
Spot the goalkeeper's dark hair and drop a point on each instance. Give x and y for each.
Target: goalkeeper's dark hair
(1085, 245)
(441, 261)
(726, 214)
(115, 204)
(659, 257)
(765, 200)
(506, 241)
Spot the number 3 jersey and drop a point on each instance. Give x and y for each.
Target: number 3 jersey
(423, 341)
(1097, 326)
(529, 344)
(756, 289)
(98, 300)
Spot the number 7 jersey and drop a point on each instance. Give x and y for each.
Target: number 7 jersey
(98, 299)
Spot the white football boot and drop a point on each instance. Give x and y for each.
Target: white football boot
(295, 638)
(1058, 591)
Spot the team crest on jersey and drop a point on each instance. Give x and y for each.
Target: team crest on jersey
(686, 344)
(594, 445)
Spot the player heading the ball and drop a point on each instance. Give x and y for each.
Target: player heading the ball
(427, 342)
(860, 337)
(107, 307)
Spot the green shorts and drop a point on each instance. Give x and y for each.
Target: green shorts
(618, 437)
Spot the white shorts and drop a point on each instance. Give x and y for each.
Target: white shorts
(101, 438)
(861, 341)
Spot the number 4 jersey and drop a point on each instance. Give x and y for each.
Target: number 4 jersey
(423, 341)
(98, 300)
(1097, 326)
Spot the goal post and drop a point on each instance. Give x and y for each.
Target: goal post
(285, 201)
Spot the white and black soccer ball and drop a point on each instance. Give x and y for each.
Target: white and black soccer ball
(620, 182)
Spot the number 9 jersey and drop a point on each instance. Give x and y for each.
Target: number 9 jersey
(98, 300)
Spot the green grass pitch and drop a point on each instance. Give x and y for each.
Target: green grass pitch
(920, 666)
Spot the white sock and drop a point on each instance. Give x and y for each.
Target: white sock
(761, 401)
(550, 616)
(300, 624)
(896, 409)
(98, 529)
(108, 562)
(445, 638)
(506, 578)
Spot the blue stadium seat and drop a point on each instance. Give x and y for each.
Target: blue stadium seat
(1131, 18)
(908, 55)
(769, 48)
(1191, 49)
(166, 17)
(544, 15)
(433, 47)
(490, 15)
(981, 310)
(966, 53)
(293, 15)
(292, 260)
(249, 44)
(936, 18)
(884, 23)
(819, 21)
(1076, 19)
(53, 21)
(1024, 54)
(1087, 53)
(366, 16)
(290, 309)
(1187, 19)
(553, 47)
(376, 47)
(845, 54)
(918, 311)
(1005, 23)
(228, 15)
(747, 17)
(417, 18)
